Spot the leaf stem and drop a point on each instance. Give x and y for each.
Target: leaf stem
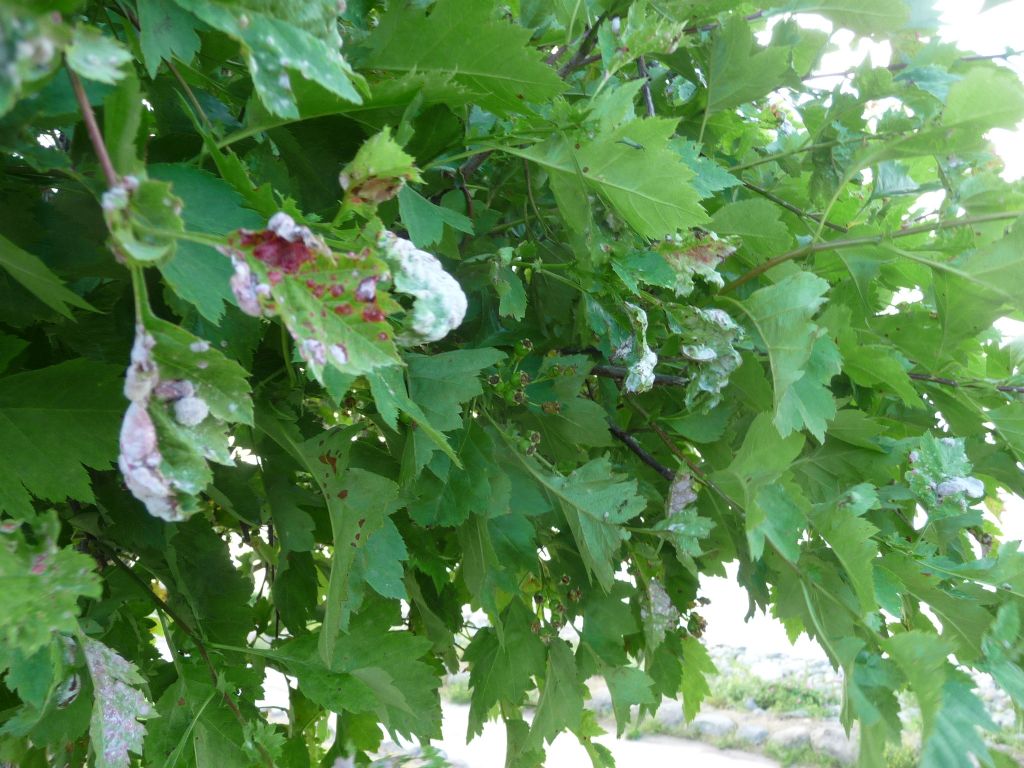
(95, 136)
(833, 245)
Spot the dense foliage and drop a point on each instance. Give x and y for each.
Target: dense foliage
(543, 309)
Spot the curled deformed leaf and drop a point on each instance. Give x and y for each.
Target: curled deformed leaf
(640, 357)
(182, 393)
(691, 257)
(707, 339)
(440, 303)
(329, 302)
(144, 218)
(31, 51)
(378, 171)
(119, 705)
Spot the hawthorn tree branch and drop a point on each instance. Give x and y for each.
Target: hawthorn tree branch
(641, 67)
(578, 59)
(897, 67)
(792, 208)
(631, 442)
(95, 136)
(619, 373)
(835, 245)
(1010, 388)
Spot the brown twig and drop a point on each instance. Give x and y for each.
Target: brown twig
(619, 373)
(716, 24)
(578, 59)
(95, 136)
(1010, 388)
(641, 67)
(630, 442)
(835, 245)
(897, 67)
(792, 208)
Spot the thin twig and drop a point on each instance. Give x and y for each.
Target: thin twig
(619, 373)
(716, 24)
(631, 443)
(897, 67)
(95, 136)
(792, 208)
(641, 67)
(1010, 388)
(834, 245)
(586, 46)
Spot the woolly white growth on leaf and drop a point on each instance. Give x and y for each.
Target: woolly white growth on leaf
(641, 370)
(440, 304)
(190, 411)
(972, 486)
(680, 494)
(243, 285)
(284, 226)
(115, 729)
(658, 614)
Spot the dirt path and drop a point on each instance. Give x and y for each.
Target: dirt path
(488, 750)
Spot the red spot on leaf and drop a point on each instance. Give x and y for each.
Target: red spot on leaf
(39, 565)
(373, 314)
(343, 494)
(343, 309)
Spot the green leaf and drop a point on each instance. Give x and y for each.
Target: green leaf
(851, 538)
(510, 290)
(778, 514)
(501, 668)
(629, 687)
(55, 422)
(739, 69)
(119, 705)
(425, 221)
(697, 668)
(762, 458)
(197, 273)
(440, 383)
(758, 225)
(206, 585)
(43, 583)
(379, 562)
(277, 50)
(865, 17)
(633, 168)
(364, 674)
(985, 98)
(195, 726)
(802, 360)
(596, 501)
(560, 705)
(32, 273)
(122, 117)
(96, 56)
(167, 32)
(457, 41)
(709, 176)
(362, 500)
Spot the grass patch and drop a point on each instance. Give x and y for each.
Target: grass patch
(735, 689)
